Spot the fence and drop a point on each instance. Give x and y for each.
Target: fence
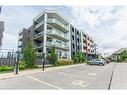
(7, 58)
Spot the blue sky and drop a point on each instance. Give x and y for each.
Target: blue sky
(106, 24)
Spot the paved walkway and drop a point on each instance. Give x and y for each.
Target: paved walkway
(26, 72)
(119, 80)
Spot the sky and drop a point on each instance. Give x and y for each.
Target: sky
(107, 25)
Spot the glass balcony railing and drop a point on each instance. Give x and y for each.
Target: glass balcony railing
(19, 43)
(38, 45)
(58, 33)
(39, 24)
(38, 34)
(20, 37)
(57, 45)
(58, 22)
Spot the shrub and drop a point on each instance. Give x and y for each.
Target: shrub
(61, 62)
(6, 68)
(22, 65)
(52, 57)
(79, 57)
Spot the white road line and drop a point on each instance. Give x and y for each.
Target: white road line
(44, 82)
(76, 75)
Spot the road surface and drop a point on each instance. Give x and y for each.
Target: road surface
(110, 76)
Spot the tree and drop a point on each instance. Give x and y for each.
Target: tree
(79, 57)
(29, 55)
(52, 56)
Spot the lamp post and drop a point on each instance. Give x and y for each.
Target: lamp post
(17, 61)
(43, 63)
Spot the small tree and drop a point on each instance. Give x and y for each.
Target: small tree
(52, 56)
(29, 55)
(79, 57)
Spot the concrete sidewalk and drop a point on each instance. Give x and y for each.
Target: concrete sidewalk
(26, 72)
(119, 80)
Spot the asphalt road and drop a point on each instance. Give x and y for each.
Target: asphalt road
(110, 76)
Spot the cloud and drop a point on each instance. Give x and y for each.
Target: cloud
(107, 25)
(16, 18)
(10, 40)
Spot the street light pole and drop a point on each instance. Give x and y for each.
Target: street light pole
(17, 61)
(43, 63)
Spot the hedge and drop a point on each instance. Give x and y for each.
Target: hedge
(61, 62)
(6, 68)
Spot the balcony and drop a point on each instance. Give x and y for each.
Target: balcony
(58, 24)
(39, 35)
(20, 37)
(58, 46)
(19, 44)
(37, 46)
(39, 24)
(40, 54)
(58, 34)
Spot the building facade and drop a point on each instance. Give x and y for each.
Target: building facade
(75, 40)
(51, 29)
(88, 46)
(1, 28)
(116, 56)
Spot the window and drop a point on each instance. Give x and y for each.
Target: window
(77, 33)
(78, 47)
(72, 29)
(73, 53)
(28, 31)
(73, 37)
(77, 39)
(73, 46)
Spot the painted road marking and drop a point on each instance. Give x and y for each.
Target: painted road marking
(44, 82)
(80, 83)
(76, 75)
(92, 74)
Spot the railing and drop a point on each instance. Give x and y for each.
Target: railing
(38, 45)
(20, 36)
(38, 34)
(57, 45)
(36, 26)
(57, 32)
(58, 22)
(19, 43)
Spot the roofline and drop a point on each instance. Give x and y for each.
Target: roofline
(52, 11)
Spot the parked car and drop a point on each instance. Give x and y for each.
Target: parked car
(100, 62)
(107, 61)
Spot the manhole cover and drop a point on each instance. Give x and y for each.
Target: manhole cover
(80, 83)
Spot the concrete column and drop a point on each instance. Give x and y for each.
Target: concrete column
(45, 36)
(70, 44)
(81, 41)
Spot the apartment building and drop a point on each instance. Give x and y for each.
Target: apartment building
(1, 29)
(116, 55)
(49, 29)
(24, 36)
(75, 40)
(88, 46)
